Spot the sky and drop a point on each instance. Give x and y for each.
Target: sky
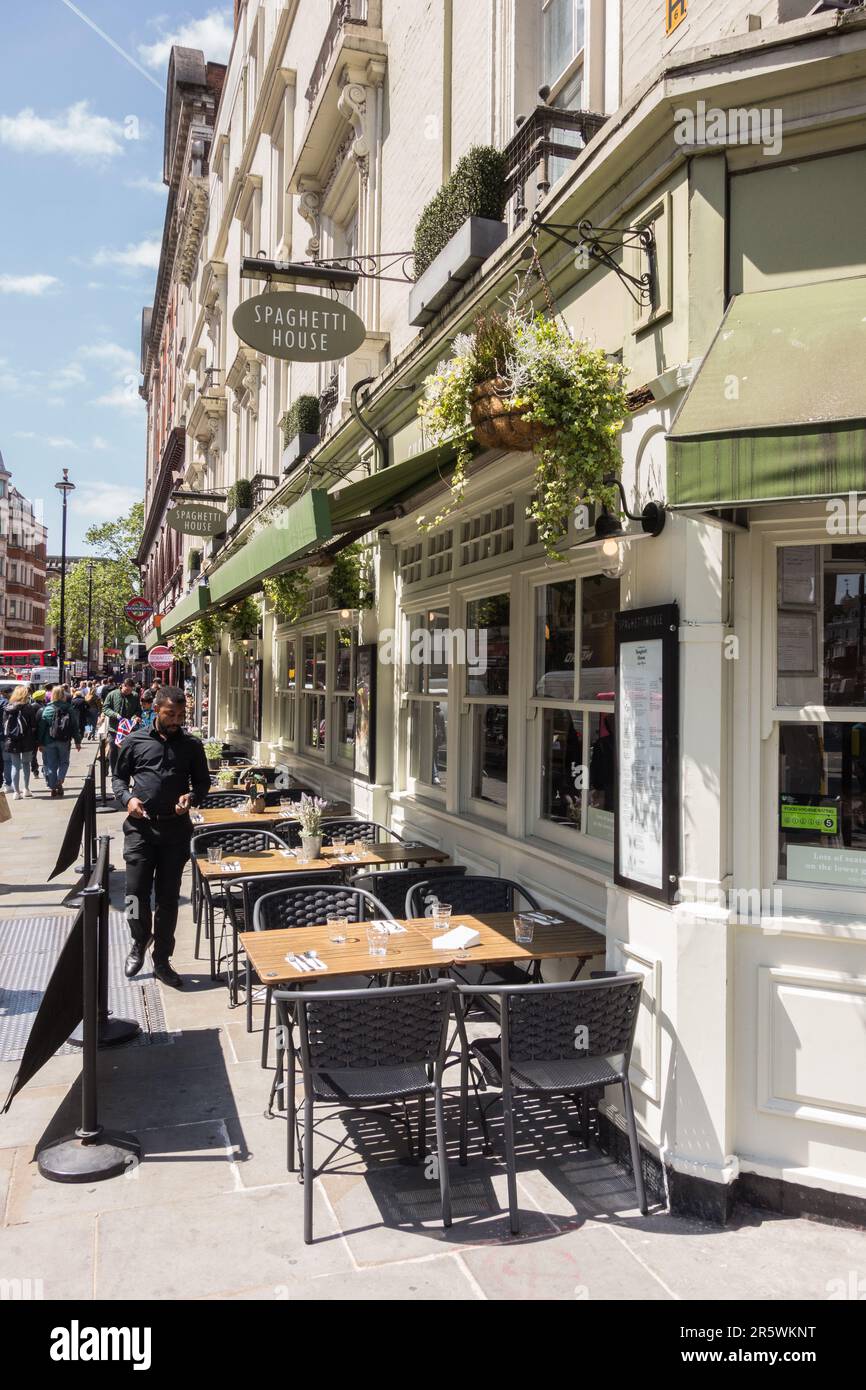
(81, 132)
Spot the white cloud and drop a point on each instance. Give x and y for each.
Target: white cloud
(123, 397)
(97, 442)
(49, 441)
(27, 284)
(213, 35)
(141, 255)
(148, 185)
(102, 501)
(72, 374)
(77, 132)
(113, 354)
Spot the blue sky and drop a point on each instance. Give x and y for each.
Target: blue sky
(81, 129)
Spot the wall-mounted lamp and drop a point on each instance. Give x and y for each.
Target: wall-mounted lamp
(345, 614)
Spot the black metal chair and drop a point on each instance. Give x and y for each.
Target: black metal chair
(392, 886)
(309, 907)
(368, 832)
(241, 899)
(475, 893)
(234, 839)
(366, 1047)
(558, 1039)
(220, 800)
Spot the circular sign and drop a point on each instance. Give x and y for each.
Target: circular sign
(299, 327)
(138, 609)
(195, 519)
(160, 658)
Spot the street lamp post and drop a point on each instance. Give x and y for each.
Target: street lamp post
(65, 487)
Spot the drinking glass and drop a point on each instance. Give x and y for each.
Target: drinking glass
(524, 929)
(441, 916)
(338, 844)
(377, 941)
(337, 928)
(214, 854)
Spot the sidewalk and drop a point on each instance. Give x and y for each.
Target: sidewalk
(212, 1212)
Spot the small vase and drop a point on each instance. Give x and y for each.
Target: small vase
(312, 846)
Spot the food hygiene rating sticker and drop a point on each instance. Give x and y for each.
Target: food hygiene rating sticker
(824, 819)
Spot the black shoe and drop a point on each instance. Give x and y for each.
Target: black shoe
(134, 961)
(167, 976)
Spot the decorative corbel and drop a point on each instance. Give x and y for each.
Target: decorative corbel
(352, 106)
(309, 205)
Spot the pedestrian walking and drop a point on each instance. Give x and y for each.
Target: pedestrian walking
(120, 704)
(161, 773)
(79, 705)
(148, 713)
(56, 732)
(5, 765)
(20, 722)
(93, 709)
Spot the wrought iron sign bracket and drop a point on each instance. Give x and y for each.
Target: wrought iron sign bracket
(336, 273)
(600, 244)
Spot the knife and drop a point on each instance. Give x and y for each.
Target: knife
(299, 963)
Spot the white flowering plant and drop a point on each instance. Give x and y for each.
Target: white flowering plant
(310, 811)
(572, 392)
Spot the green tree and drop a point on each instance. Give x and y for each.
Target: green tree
(115, 581)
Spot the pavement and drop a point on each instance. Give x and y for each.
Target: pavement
(212, 1213)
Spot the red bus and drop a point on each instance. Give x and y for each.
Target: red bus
(11, 662)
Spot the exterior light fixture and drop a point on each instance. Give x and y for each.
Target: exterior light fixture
(345, 614)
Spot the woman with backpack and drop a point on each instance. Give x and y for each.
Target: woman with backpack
(20, 720)
(58, 729)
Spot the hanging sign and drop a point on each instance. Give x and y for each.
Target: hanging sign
(646, 828)
(194, 519)
(299, 327)
(138, 609)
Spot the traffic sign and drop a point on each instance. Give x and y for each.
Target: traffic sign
(138, 609)
(160, 658)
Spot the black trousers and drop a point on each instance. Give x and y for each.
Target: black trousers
(155, 853)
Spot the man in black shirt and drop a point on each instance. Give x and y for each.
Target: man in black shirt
(169, 774)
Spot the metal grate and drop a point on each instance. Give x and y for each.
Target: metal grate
(29, 947)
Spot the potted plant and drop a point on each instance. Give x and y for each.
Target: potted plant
(193, 562)
(255, 787)
(459, 228)
(213, 752)
(310, 811)
(522, 382)
(239, 503)
(226, 778)
(300, 426)
(288, 594)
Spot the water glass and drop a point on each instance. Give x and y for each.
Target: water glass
(524, 929)
(338, 844)
(337, 928)
(214, 854)
(377, 941)
(441, 916)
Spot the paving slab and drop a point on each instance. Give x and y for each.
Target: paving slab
(442, 1279)
(58, 1255)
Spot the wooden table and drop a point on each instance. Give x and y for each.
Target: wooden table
(234, 815)
(413, 950)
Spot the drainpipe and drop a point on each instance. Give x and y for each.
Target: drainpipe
(379, 440)
(447, 84)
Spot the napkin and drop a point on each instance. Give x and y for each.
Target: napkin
(392, 928)
(544, 919)
(456, 939)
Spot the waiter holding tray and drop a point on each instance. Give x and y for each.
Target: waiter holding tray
(161, 772)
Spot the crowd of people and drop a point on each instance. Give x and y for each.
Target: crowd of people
(37, 722)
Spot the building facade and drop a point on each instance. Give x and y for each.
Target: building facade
(733, 134)
(23, 599)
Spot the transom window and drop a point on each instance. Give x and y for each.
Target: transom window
(490, 533)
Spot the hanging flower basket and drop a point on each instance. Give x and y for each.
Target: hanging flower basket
(498, 423)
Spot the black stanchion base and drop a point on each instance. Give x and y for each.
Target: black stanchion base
(111, 1032)
(109, 1155)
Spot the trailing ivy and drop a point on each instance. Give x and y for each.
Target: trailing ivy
(199, 638)
(288, 594)
(348, 581)
(301, 418)
(476, 188)
(242, 619)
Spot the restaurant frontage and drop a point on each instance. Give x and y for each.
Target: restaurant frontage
(659, 731)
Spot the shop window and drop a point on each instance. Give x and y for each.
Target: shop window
(428, 652)
(574, 702)
(491, 533)
(345, 642)
(287, 685)
(487, 677)
(243, 692)
(822, 803)
(821, 625)
(314, 672)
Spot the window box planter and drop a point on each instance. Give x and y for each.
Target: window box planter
(237, 518)
(297, 449)
(469, 248)
(213, 545)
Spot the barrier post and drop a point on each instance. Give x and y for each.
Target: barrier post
(92, 1153)
(103, 794)
(111, 1030)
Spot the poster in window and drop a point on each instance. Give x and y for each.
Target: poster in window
(797, 643)
(365, 712)
(646, 834)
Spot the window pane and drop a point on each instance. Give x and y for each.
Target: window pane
(554, 640)
(487, 630)
(429, 742)
(435, 670)
(602, 777)
(822, 803)
(599, 604)
(291, 671)
(346, 727)
(844, 626)
(309, 664)
(343, 664)
(558, 37)
(821, 625)
(314, 721)
(321, 659)
(563, 776)
(490, 753)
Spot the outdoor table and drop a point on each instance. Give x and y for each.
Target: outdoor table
(235, 815)
(274, 861)
(413, 949)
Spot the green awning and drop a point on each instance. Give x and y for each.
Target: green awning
(390, 485)
(778, 407)
(191, 606)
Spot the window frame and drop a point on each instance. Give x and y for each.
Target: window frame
(492, 586)
(414, 698)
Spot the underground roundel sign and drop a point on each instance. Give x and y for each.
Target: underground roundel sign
(298, 327)
(138, 609)
(160, 658)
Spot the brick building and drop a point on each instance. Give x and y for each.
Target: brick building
(23, 598)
